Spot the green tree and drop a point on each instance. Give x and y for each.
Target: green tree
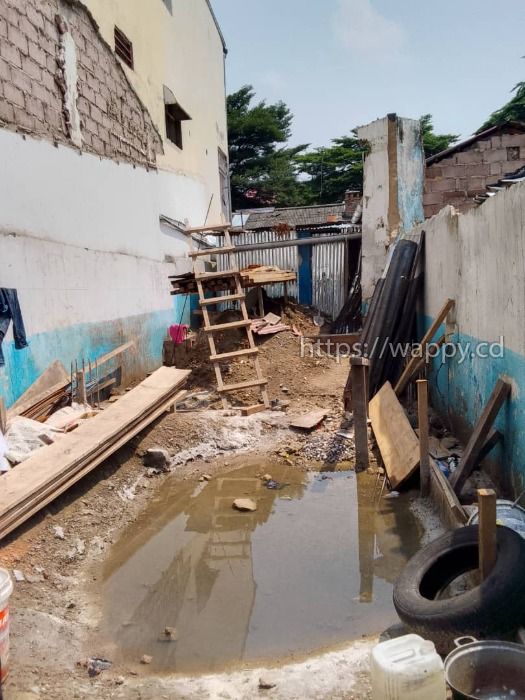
(332, 170)
(513, 110)
(434, 143)
(262, 172)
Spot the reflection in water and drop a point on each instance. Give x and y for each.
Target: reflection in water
(290, 577)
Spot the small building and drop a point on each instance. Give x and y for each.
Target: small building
(461, 174)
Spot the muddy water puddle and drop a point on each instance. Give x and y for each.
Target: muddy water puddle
(313, 567)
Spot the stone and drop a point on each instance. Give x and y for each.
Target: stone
(267, 683)
(205, 477)
(19, 576)
(59, 532)
(267, 477)
(146, 659)
(157, 458)
(245, 504)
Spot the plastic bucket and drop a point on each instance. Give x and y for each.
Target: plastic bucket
(6, 588)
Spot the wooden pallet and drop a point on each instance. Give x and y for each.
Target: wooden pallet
(234, 276)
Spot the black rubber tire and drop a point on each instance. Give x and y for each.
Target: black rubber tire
(494, 609)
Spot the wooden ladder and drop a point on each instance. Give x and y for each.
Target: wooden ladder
(239, 295)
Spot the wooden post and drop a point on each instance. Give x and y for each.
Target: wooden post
(487, 531)
(359, 377)
(422, 412)
(261, 301)
(3, 416)
(81, 388)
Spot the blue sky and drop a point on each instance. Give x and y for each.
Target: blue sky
(342, 63)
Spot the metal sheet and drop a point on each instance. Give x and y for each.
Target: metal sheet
(329, 278)
(329, 268)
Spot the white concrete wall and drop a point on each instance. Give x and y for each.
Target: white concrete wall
(95, 203)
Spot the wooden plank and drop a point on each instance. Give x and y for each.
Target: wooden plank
(224, 250)
(359, 380)
(424, 458)
(478, 438)
(235, 353)
(40, 500)
(250, 410)
(220, 300)
(202, 229)
(395, 437)
(308, 421)
(409, 370)
(494, 437)
(3, 416)
(272, 319)
(487, 542)
(227, 326)
(445, 499)
(52, 376)
(204, 276)
(242, 385)
(117, 351)
(48, 463)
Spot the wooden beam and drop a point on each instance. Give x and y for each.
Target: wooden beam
(3, 416)
(203, 229)
(414, 361)
(487, 531)
(478, 438)
(424, 459)
(493, 438)
(359, 377)
(445, 499)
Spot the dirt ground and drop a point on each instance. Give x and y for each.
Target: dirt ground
(59, 553)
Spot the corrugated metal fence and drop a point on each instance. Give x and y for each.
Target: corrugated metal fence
(329, 268)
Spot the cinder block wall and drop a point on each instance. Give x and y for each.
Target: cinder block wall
(458, 178)
(33, 74)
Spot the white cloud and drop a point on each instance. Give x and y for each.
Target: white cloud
(362, 29)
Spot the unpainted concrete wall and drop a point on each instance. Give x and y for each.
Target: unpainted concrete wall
(392, 190)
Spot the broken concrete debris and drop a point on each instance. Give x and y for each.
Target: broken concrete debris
(157, 458)
(146, 659)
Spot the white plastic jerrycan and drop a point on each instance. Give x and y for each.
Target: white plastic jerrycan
(407, 668)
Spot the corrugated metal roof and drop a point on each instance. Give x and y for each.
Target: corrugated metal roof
(296, 217)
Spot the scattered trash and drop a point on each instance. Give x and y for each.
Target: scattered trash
(59, 532)
(245, 504)
(346, 434)
(275, 485)
(279, 405)
(266, 683)
(95, 665)
(392, 494)
(146, 659)
(199, 401)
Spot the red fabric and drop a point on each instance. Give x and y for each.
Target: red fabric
(178, 333)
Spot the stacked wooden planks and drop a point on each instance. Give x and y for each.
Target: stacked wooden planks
(53, 469)
(250, 277)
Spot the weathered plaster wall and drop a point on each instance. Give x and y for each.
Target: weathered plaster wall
(87, 255)
(478, 259)
(392, 190)
(182, 50)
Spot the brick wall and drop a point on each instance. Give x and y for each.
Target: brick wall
(113, 121)
(458, 178)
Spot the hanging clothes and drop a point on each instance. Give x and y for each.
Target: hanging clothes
(10, 311)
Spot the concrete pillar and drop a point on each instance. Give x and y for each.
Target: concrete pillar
(394, 175)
